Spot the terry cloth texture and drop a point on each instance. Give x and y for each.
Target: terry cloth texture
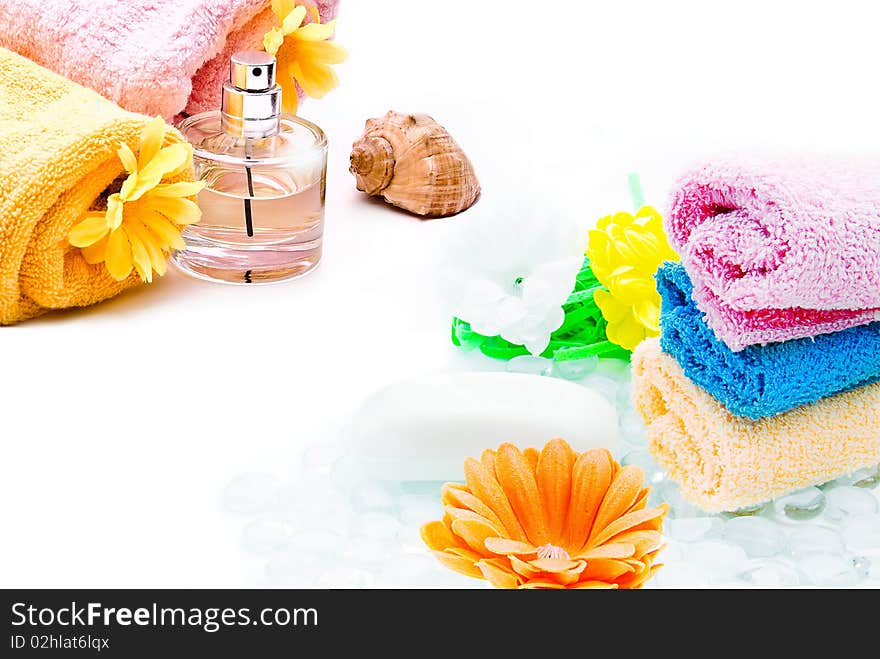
(58, 144)
(780, 249)
(724, 462)
(159, 57)
(764, 380)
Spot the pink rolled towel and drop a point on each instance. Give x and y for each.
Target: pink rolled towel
(152, 56)
(780, 249)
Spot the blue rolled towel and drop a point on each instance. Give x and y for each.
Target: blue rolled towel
(762, 380)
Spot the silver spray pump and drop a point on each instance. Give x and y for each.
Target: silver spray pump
(251, 103)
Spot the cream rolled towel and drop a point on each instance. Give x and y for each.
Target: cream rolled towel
(725, 462)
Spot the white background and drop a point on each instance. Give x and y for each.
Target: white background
(122, 423)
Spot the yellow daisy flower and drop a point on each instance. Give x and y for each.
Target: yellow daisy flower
(303, 52)
(144, 220)
(625, 252)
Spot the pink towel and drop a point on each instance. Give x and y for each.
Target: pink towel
(780, 249)
(151, 56)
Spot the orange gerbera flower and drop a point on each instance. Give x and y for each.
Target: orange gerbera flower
(548, 519)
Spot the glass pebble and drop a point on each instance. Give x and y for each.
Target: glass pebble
(319, 458)
(668, 492)
(252, 493)
(693, 529)
(654, 473)
(721, 560)
(372, 495)
(298, 568)
(770, 573)
(410, 540)
(377, 525)
(263, 536)
(862, 533)
(347, 474)
(575, 369)
(632, 427)
(415, 510)
(370, 552)
(409, 571)
(747, 511)
(758, 536)
(868, 478)
(682, 575)
(809, 539)
(862, 566)
(803, 504)
(345, 577)
(842, 502)
(531, 365)
(829, 570)
(604, 385)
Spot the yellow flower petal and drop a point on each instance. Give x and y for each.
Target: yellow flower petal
(179, 211)
(152, 138)
(315, 79)
(182, 189)
(167, 160)
(90, 231)
(140, 257)
(316, 31)
(126, 155)
(118, 256)
(152, 245)
(115, 212)
(167, 235)
(273, 40)
(94, 254)
(293, 20)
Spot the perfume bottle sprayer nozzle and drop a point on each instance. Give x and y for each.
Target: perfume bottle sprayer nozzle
(251, 103)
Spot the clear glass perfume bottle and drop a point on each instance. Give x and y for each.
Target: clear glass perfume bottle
(263, 205)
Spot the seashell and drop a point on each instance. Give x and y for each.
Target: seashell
(412, 162)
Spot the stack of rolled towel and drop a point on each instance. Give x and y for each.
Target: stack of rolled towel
(766, 376)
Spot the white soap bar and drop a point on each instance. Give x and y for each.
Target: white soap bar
(423, 429)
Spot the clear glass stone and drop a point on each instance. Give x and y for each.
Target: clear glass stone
(531, 365)
(846, 501)
(747, 511)
(416, 510)
(682, 575)
(373, 496)
(721, 560)
(263, 536)
(868, 478)
(654, 473)
(371, 552)
(668, 492)
(604, 385)
(770, 573)
(299, 568)
(862, 566)
(409, 571)
(693, 529)
(377, 525)
(758, 536)
(252, 493)
(345, 577)
(829, 570)
(319, 458)
(410, 540)
(862, 533)
(575, 369)
(809, 539)
(803, 504)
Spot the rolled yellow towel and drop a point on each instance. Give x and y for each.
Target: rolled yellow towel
(724, 462)
(58, 161)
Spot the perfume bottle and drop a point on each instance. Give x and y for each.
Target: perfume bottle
(265, 174)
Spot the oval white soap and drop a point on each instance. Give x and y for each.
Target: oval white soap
(423, 429)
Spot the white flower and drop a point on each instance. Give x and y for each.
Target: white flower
(513, 270)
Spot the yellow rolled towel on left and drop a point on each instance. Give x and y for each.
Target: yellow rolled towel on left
(725, 462)
(58, 154)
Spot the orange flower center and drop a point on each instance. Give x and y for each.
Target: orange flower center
(552, 551)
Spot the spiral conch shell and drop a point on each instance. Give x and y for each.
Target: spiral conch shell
(413, 162)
